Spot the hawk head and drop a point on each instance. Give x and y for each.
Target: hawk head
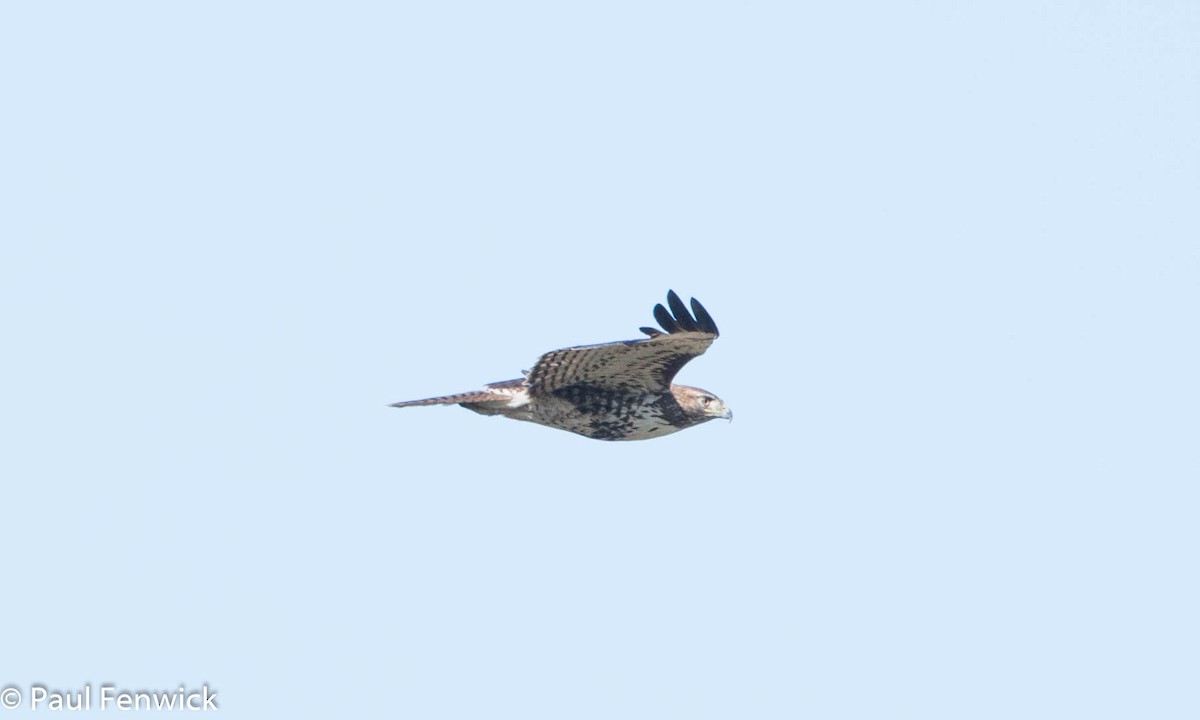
(700, 405)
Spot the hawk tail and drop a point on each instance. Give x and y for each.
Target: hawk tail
(467, 397)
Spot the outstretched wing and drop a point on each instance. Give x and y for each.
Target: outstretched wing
(631, 365)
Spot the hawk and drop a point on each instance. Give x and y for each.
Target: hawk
(613, 391)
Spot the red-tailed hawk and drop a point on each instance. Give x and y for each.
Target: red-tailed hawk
(615, 391)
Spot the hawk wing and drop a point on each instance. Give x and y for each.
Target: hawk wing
(631, 365)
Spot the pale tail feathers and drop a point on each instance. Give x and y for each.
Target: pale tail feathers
(467, 397)
(496, 397)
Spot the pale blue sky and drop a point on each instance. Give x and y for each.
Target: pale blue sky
(952, 248)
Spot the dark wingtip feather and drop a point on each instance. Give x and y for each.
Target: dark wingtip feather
(682, 317)
(703, 319)
(678, 319)
(664, 318)
(651, 331)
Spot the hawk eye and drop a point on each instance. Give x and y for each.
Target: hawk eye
(706, 399)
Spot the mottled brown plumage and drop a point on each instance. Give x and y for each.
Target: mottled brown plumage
(613, 391)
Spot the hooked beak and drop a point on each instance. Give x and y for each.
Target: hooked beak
(728, 415)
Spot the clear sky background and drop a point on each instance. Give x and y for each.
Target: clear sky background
(953, 248)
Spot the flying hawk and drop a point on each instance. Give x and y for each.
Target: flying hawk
(614, 391)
